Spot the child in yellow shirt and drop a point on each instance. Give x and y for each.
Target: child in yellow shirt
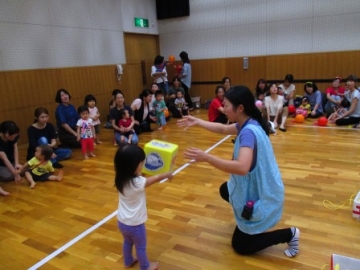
(40, 168)
(304, 108)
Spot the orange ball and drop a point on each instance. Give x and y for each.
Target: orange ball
(166, 113)
(299, 118)
(171, 58)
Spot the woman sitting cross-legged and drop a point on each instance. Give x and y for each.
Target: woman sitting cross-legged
(352, 116)
(115, 116)
(43, 132)
(141, 109)
(315, 99)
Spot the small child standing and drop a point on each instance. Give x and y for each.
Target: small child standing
(125, 122)
(90, 102)
(85, 132)
(159, 106)
(344, 107)
(132, 213)
(304, 108)
(40, 168)
(180, 104)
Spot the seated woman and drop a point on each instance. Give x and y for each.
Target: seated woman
(226, 83)
(9, 155)
(315, 99)
(274, 106)
(288, 89)
(261, 90)
(43, 132)
(112, 104)
(216, 111)
(352, 116)
(66, 118)
(115, 117)
(334, 95)
(141, 109)
(176, 86)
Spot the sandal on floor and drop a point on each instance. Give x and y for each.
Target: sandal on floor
(282, 129)
(356, 126)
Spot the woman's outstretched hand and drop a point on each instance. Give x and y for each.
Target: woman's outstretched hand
(195, 154)
(187, 121)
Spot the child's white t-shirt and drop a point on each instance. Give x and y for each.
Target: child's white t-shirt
(85, 128)
(132, 203)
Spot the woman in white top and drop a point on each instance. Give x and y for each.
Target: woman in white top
(274, 106)
(159, 73)
(352, 116)
(141, 109)
(289, 91)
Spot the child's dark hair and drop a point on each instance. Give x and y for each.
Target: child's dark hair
(9, 127)
(305, 98)
(345, 103)
(289, 78)
(180, 92)
(58, 95)
(241, 95)
(89, 98)
(126, 161)
(158, 93)
(83, 108)
(46, 151)
(122, 112)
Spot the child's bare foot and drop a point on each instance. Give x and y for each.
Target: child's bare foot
(3, 192)
(153, 266)
(86, 157)
(60, 176)
(135, 261)
(98, 142)
(160, 128)
(92, 154)
(32, 185)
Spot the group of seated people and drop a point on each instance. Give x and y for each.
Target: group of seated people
(79, 128)
(340, 104)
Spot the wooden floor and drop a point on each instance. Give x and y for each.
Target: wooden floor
(189, 226)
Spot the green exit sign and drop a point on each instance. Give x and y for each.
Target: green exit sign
(141, 22)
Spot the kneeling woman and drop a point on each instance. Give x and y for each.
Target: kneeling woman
(255, 179)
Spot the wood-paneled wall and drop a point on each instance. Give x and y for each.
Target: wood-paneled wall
(314, 66)
(23, 91)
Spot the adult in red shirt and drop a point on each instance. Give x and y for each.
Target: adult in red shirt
(334, 94)
(216, 109)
